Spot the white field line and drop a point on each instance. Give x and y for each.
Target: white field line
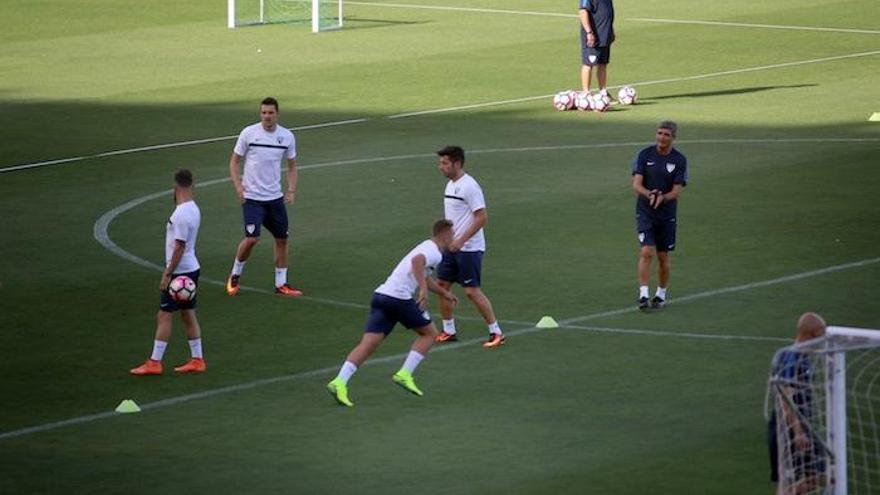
(573, 15)
(446, 347)
(27, 166)
(645, 83)
(756, 26)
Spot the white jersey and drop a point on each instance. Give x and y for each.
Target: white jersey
(461, 199)
(264, 153)
(401, 284)
(183, 226)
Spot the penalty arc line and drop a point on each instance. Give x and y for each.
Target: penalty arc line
(33, 165)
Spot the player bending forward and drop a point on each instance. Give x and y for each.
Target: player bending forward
(393, 303)
(180, 259)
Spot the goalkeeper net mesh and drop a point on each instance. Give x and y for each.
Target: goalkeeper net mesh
(824, 401)
(322, 15)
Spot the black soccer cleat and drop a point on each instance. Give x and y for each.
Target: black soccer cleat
(644, 303)
(657, 302)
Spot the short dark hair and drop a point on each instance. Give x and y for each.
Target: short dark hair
(670, 126)
(441, 226)
(270, 101)
(454, 153)
(183, 178)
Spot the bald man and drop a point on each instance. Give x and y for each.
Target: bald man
(795, 371)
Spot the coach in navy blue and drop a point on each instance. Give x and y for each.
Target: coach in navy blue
(596, 34)
(659, 175)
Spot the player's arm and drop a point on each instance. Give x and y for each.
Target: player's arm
(587, 23)
(793, 420)
(638, 185)
(176, 255)
(235, 175)
(434, 287)
(670, 196)
(481, 218)
(418, 270)
(292, 177)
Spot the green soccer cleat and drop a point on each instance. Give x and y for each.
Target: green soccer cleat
(339, 390)
(405, 379)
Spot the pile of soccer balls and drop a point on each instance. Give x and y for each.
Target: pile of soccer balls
(583, 101)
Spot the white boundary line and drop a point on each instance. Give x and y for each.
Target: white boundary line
(100, 232)
(756, 26)
(461, 9)
(27, 166)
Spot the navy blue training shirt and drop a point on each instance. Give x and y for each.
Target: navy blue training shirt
(602, 13)
(660, 172)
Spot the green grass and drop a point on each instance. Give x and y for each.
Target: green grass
(558, 411)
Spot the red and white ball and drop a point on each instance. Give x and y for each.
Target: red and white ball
(182, 289)
(627, 95)
(564, 100)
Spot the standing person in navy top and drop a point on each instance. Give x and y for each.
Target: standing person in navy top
(659, 176)
(596, 35)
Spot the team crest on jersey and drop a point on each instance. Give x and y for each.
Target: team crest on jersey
(279, 140)
(670, 167)
(641, 237)
(250, 228)
(593, 59)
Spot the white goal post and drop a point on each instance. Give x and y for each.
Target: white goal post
(322, 15)
(825, 397)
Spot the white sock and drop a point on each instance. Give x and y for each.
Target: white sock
(494, 328)
(347, 370)
(643, 291)
(158, 350)
(449, 326)
(412, 360)
(195, 348)
(661, 293)
(237, 267)
(280, 276)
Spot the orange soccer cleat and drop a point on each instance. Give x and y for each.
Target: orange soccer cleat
(232, 285)
(287, 290)
(495, 340)
(194, 365)
(445, 337)
(150, 367)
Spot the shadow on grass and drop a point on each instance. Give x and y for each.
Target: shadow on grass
(728, 92)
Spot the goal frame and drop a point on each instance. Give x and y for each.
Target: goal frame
(315, 15)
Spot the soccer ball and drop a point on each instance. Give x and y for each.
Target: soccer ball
(627, 95)
(564, 100)
(582, 101)
(600, 102)
(182, 289)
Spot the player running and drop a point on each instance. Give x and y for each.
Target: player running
(659, 175)
(264, 146)
(393, 303)
(462, 262)
(181, 232)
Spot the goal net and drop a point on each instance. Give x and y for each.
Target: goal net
(321, 15)
(824, 398)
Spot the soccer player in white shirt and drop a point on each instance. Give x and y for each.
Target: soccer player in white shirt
(181, 232)
(264, 146)
(462, 263)
(393, 303)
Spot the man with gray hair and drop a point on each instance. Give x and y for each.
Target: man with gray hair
(659, 174)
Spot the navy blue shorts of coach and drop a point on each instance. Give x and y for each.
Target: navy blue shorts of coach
(656, 232)
(461, 267)
(270, 214)
(387, 311)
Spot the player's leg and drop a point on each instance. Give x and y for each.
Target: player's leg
(604, 55)
(252, 214)
(419, 321)
(447, 272)
(586, 65)
(586, 77)
(665, 242)
(153, 365)
(470, 268)
(646, 256)
(276, 223)
(196, 364)
(380, 322)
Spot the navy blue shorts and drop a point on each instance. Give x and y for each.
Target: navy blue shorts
(656, 232)
(462, 267)
(387, 311)
(271, 214)
(169, 305)
(597, 55)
